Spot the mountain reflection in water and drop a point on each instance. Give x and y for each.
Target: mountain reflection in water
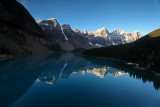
(66, 64)
(19, 75)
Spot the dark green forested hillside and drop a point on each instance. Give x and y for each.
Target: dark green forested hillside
(145, 51)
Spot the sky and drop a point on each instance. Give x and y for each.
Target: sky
(127, 15)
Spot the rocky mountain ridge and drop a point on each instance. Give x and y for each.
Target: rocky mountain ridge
(20, 34)
(63, 36)
(102, 37)
(98, 38)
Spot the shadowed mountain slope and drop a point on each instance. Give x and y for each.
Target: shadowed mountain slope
(19, 33)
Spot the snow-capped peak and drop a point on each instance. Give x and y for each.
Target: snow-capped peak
(38, 21)
(85, 31)
(118, 31)
(104, 28)
(51, 18)
(100, 30)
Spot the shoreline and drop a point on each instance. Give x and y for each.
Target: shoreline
(130, 64)
(4, 57)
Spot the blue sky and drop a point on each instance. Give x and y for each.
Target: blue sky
(127, 15)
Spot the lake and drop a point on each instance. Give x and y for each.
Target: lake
(70, 80)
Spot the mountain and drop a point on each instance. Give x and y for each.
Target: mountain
(63, 36)
(19, 33)
(100, 33)
(77, 31)
(124, 37)
(69, 40)
(155, 33)
(85, 32)
(102, 37)
(145, 52)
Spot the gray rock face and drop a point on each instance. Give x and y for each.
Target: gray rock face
(67, 27)
(50, 23)
(102, 37)
(63, 36)
(69, 40)
(100, 33)
(120, 37)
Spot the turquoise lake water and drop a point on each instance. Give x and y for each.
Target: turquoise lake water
(69, 80)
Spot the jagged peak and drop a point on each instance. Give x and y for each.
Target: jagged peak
(121, 32)
(102, 29)
(51, 18)
(51, 22)
(66, 26)
(103, 32)
(38, 21)
(118, 31)
(135, 32)
(85, 31)
(77, 31)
